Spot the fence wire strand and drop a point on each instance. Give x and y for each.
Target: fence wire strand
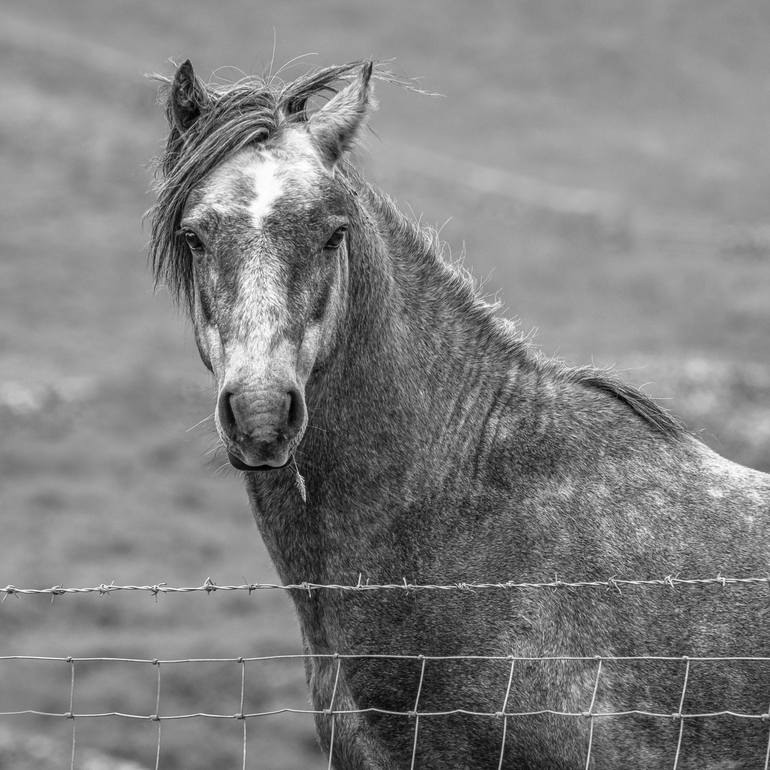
(416, 712)
(71, 713)
(331, 711)
(504, 713)
(209, 586)
(590, 714)
(679, 713)
(242, 708)
(767, 753)
(156, 716)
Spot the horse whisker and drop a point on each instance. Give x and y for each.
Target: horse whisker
(213, 450)
(199, 423)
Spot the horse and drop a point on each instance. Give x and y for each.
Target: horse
(389, 425)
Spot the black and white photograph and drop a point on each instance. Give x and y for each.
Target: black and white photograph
(385, 386)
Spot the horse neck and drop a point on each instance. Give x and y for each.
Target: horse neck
(414, 349)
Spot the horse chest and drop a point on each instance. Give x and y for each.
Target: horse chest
(346, 736)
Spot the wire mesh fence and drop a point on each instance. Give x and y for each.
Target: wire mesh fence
(162, 714)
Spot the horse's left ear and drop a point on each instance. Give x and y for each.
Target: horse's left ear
(336, 125)
(187, 98)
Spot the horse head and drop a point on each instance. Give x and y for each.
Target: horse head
(261, 244)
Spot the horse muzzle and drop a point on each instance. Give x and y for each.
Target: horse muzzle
(260, 428)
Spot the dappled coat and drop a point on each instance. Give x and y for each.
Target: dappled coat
(390, 427)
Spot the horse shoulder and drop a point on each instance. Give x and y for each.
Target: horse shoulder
(569, 464)
(724, 477)
(740, 495)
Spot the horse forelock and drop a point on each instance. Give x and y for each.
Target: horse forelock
(246, 113)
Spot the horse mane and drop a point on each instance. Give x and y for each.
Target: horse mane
(430, 259)
(249, 111)
(603, 380)
(458, 287)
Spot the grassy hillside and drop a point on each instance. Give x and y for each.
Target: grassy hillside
(605, 170)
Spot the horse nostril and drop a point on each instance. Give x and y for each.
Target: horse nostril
(260, 415)
(226, 414)
(296, 413)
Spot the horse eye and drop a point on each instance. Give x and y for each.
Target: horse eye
(336, 239)
(193, 241)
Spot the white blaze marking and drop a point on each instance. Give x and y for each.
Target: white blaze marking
(268, 187)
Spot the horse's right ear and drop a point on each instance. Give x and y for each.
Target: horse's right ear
(336, 125)
(187, 98)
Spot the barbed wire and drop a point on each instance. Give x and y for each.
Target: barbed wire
(209, 586)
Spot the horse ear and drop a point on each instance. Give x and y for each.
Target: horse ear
(336, 125)
(187, 98)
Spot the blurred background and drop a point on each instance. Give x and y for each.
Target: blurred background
(604, 167)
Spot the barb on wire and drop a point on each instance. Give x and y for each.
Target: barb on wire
(210, 587)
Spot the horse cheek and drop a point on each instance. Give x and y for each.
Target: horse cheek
(207, 340)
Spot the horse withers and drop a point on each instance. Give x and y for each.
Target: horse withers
(389, 425)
